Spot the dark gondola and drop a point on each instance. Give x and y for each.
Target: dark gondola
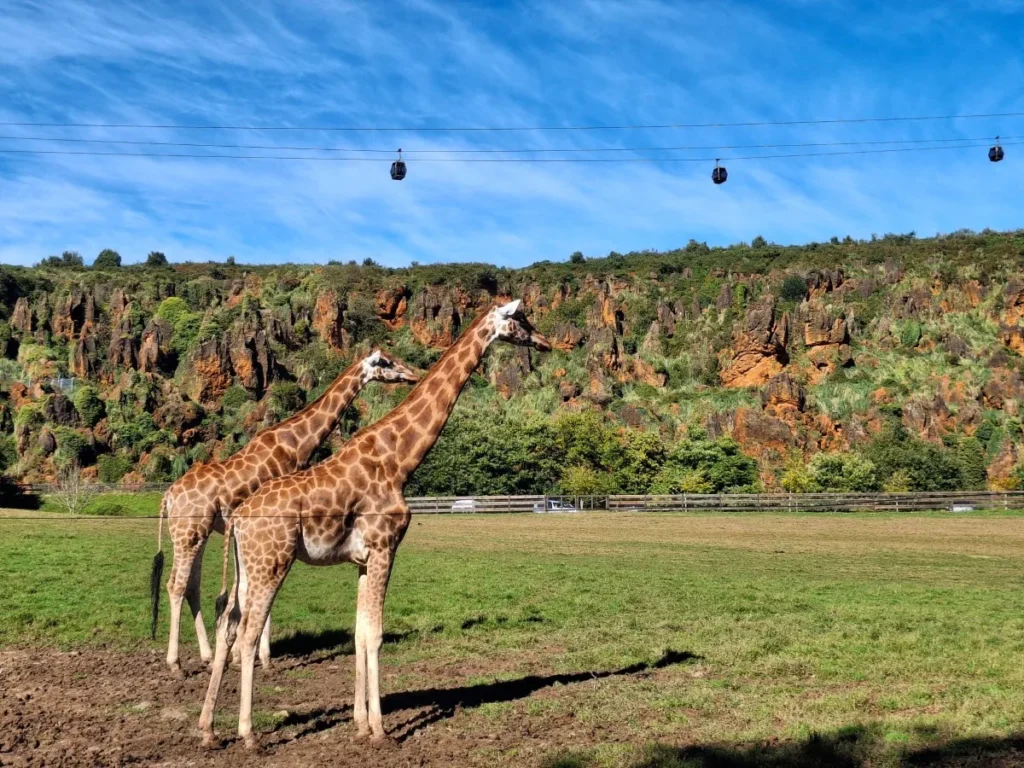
(398, 167)
(719, 175)
(995, 154)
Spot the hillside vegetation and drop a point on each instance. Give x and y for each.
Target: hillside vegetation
(893, 363)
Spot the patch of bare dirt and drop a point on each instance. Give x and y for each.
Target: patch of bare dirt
(100, 708)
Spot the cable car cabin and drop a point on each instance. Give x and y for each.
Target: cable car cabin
(719, 175)
(995, 154)
(398, 170)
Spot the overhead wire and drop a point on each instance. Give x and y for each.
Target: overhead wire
(734, 158)
(513, 129)
(545, 150)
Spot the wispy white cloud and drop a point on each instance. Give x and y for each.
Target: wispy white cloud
(430, 63)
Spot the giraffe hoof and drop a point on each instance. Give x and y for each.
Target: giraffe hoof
(251, 742)
(210, 740)
(363, 734)
(381, 739)
(177, 672)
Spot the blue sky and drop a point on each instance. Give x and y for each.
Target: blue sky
(427, 63)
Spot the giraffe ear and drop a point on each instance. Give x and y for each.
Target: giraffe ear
(374, 358)
(509, 309)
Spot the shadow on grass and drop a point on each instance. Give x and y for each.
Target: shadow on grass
(850, 747)
(442, 703)
(14, 496)
(337, 642)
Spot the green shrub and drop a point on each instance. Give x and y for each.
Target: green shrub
(235, 397)
(88, 404)
(910, 334)
(8, 452)
(285, 399)
(72, 447)
(585, 481)
(111, 468)
(794, 288)
(843, 472)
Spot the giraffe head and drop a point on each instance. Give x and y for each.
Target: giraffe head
(511, 325)
(380, 367)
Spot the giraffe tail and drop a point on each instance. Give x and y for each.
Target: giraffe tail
(157, 574)
(222, 599)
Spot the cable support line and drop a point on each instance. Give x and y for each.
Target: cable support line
(500, 160)
(513, 129)
(576, 150)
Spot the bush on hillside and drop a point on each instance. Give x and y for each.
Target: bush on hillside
(111, 468)
(107, 259)
(89, 405)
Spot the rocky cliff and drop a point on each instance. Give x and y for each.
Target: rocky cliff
(790, 351)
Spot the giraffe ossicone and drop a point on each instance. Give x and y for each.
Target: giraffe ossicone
(197, 503)
(349, 508)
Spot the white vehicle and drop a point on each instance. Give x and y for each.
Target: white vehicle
(961, 508)
(553, 505)
(464, 505)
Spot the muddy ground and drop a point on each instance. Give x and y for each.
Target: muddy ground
(95, 707)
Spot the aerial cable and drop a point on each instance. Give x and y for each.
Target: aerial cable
(531, 160)
(573, 150)
(513, 129)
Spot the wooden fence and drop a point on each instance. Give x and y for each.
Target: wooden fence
(951, 501)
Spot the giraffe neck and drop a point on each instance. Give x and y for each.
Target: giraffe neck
(314, 423)
(420, 419)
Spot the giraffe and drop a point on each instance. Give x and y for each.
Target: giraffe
(349, 508)
(197, 503)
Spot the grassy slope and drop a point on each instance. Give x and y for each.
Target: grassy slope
(907, 627)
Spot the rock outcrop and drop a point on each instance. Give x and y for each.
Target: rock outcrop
(758, 349)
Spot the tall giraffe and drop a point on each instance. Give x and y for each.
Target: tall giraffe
(197, 503)
(349, 508)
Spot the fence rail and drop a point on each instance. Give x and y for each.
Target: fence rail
(954, 501)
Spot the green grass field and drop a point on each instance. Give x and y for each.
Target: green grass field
(842, 639)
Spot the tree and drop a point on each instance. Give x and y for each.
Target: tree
(718, 462)
(584, 481)
(67, 260)
(156, 259)
(844, 472)
(108, 259)
(758, 242)
(577, 258)
(70, 492)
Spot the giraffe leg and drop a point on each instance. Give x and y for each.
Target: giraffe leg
(177, 586)
(265, 644)
(227, 629)
(243, 591)
(359, 706)
(192, 594)
(378, 572)
(265, 584)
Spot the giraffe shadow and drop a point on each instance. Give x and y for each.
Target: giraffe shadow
(442, 703)
(331, 643)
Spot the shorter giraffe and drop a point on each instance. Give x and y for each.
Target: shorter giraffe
(197, 503)
(349, 508)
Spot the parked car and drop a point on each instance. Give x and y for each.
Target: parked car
(553, 505)
(464, 505)
(961, 508)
